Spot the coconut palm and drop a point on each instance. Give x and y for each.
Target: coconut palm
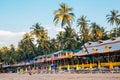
(83, 24)
(42, 38)
(60, 39)
(54, 45)
(26, 47)
(29, 40)
(12, 54)
(114, 18)
(64, 14)
(36, 30)
(84, 32)
(102, 34)
(0, 56)
(43, 41)
(94, 31)
(70, 38)
(5, 56)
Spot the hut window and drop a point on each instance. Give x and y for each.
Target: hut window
(107, 48)
(100, 41)
(89, 43)
(94, 50)
(112, 38)
(83, 50)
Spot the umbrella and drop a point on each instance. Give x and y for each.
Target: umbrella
(17, 71)
(26, 70)
(110, 65)
(21, 70)
(59, 67)
(83, 67)
(49, 67)
(68, 67)
(36, 69)
(76, 66)
(91, 66)
(33, 69)
(99, 66)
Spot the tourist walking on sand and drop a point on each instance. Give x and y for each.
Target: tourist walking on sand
(29, 71)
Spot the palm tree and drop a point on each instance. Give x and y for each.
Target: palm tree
(114, 18)
(94, 31)
(26, 47)
(64, 14)
(54, 45)
(5, 56)
(102, 34)
(36, 30)
(113, 33)
(83, 24)
(29, 40)
(42, 38)
(70, 41)
(0, 56)
(12, 53)
(60, 39)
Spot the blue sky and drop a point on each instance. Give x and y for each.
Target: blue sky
(19, 15)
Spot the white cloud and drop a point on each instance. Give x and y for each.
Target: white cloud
(58, 29)
(7, 38)
(52, 30)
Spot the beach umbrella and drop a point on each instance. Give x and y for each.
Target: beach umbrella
(110, 65)
(17, 71)
(60, 67)
(99, 66)
(26, 70)
(77, 67)
(83, 66)
(46, 68)
(49, 67)
(91, 66)
(36, 69)
(33, 69)
(68, 67)
(21, 70)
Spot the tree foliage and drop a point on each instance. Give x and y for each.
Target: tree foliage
(37, 42)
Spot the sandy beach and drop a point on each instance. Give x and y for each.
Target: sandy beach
(64, 76)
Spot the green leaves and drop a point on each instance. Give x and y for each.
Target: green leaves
(64, 15)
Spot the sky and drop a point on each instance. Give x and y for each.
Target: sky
(17, 16)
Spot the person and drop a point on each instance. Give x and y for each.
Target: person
(29, 71)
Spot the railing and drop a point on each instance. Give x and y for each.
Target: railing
(116, 63)
(88, 65)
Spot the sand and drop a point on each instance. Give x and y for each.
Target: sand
(63, 76)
